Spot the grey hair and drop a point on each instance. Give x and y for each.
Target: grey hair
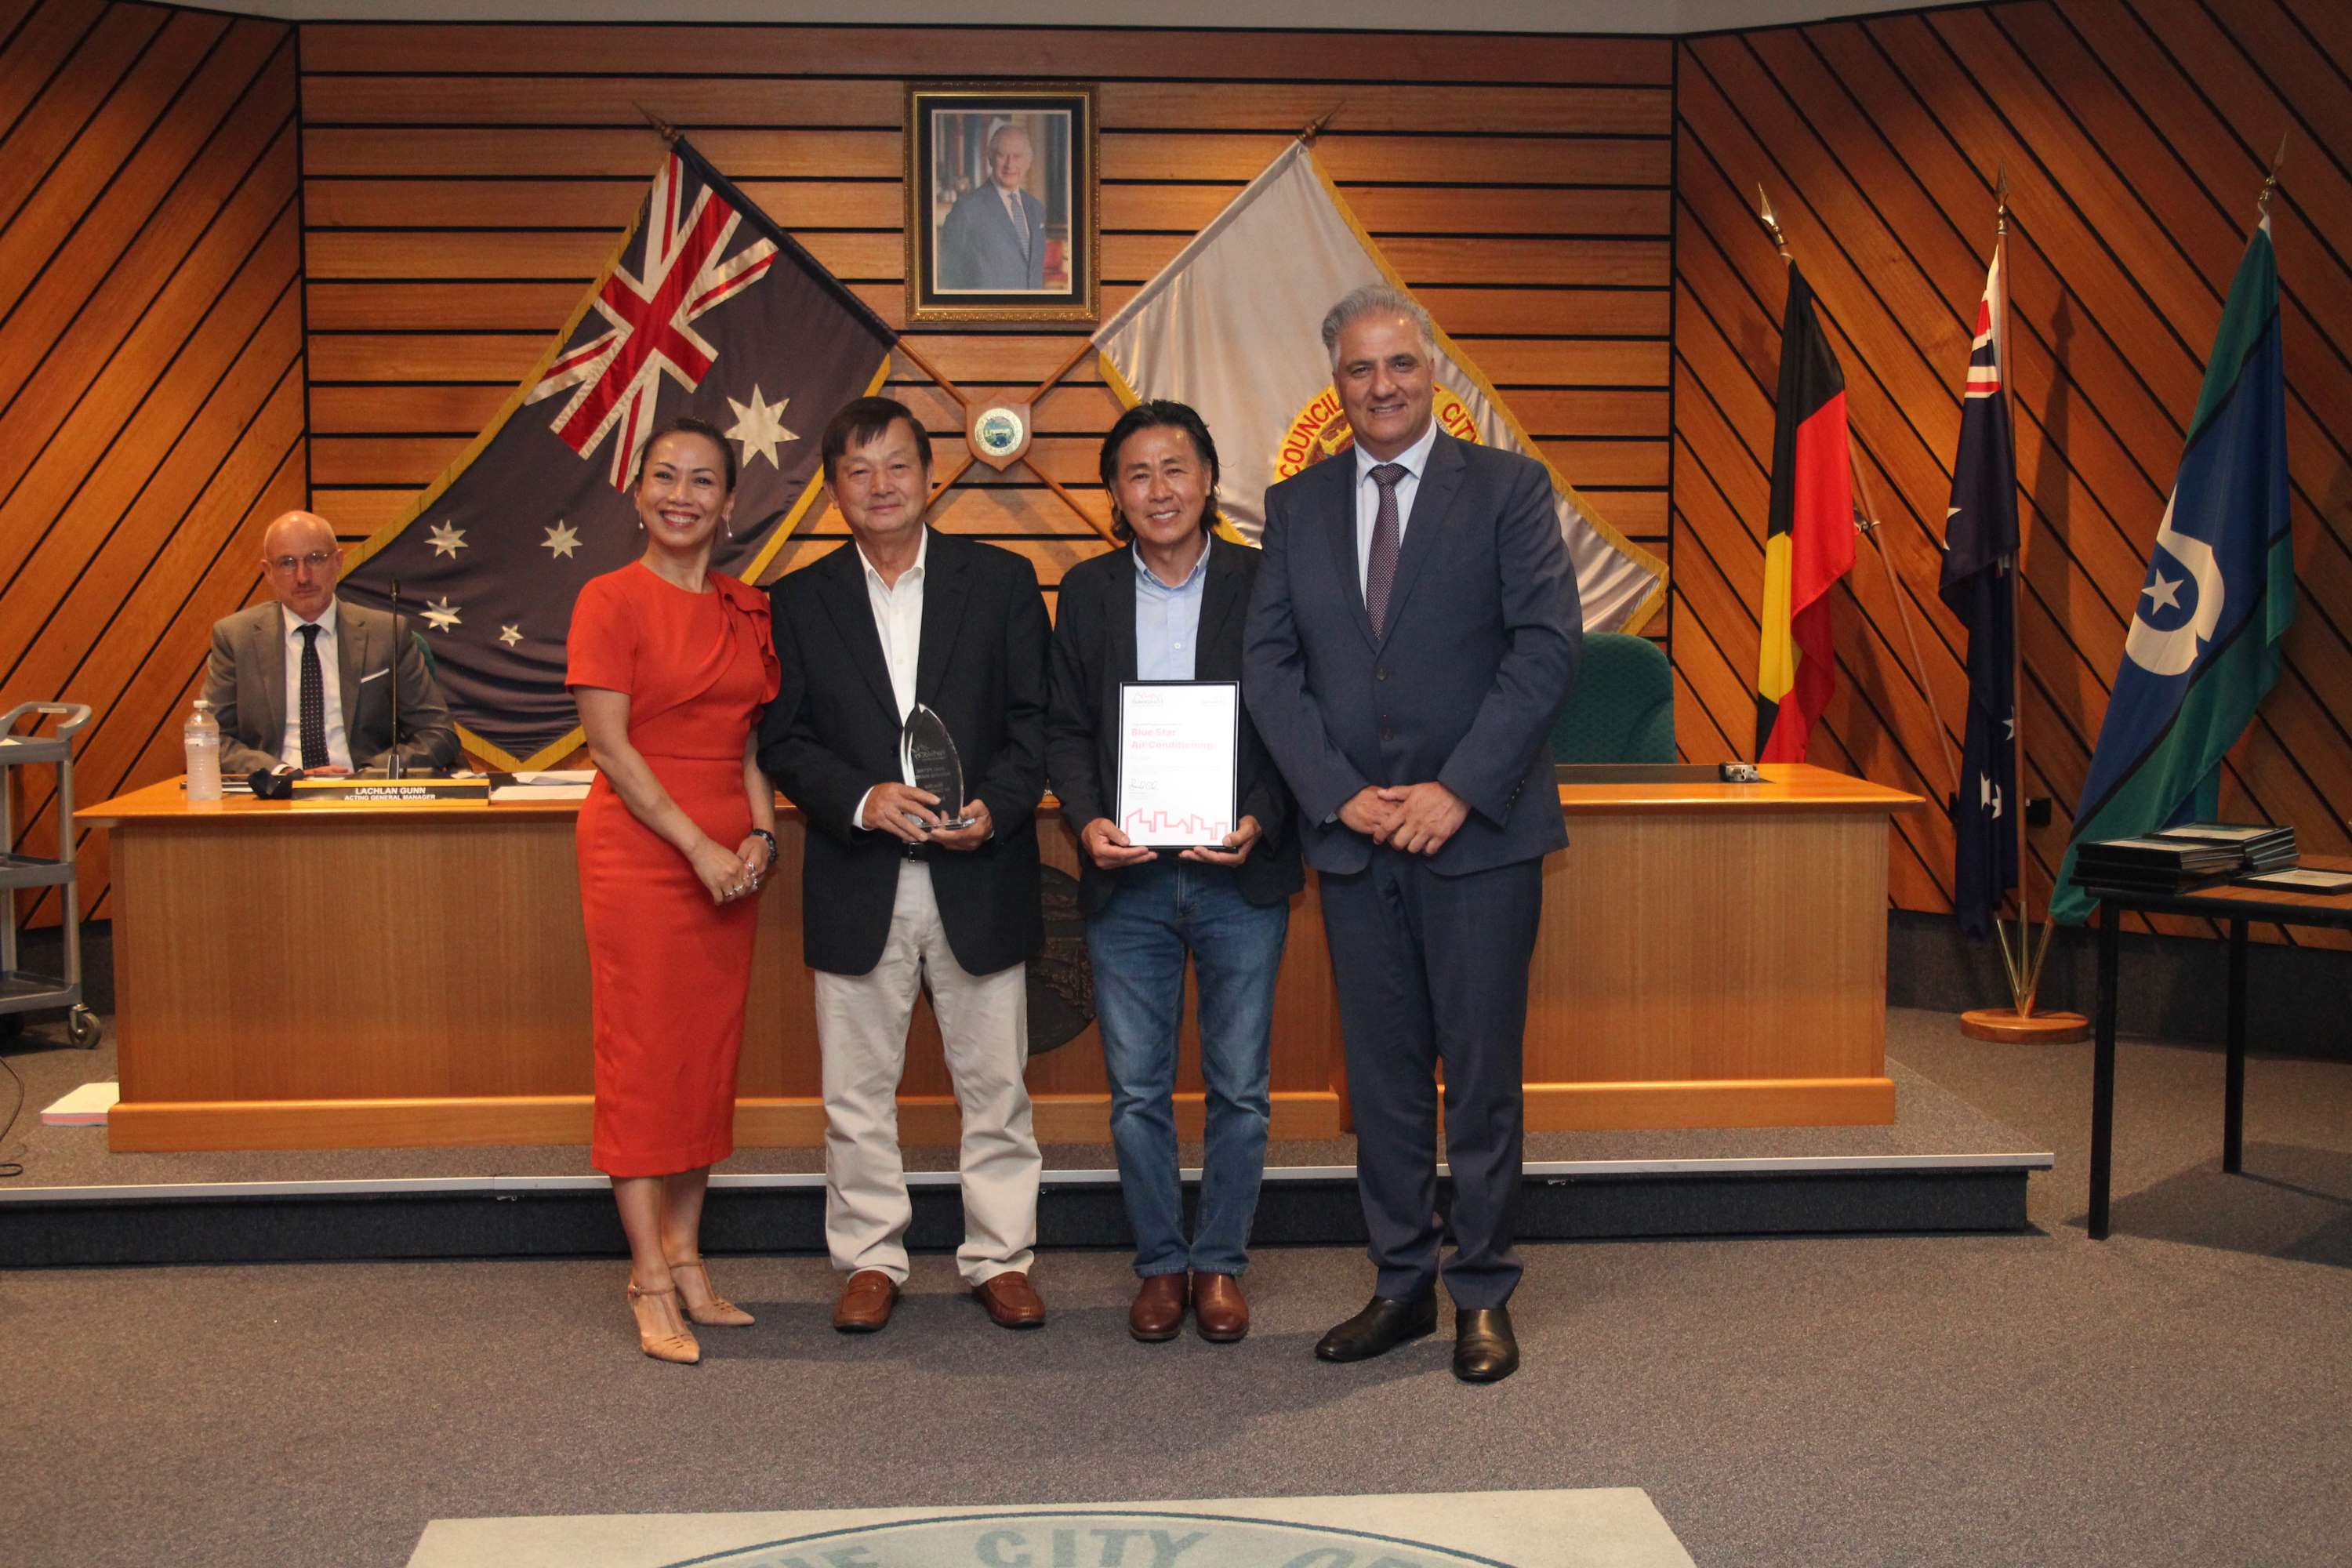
(1014, 127)
(1376, 299)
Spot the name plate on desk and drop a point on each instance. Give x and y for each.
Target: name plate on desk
(378, 789)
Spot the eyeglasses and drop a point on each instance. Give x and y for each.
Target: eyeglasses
(316, 561)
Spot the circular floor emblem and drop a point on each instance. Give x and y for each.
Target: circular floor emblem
(1119, 1539)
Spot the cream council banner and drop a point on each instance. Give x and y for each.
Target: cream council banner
(1233, 326)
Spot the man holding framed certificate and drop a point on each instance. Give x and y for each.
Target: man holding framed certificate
(1183, 825)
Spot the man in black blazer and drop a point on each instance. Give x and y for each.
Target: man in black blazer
(1413, 634)
(1172, 608)
(891, 894)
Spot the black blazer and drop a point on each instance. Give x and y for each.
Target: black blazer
(1477, 657)
(832, 733)
(1094, 651)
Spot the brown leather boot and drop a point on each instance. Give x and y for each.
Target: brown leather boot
(1218, 1309)
(1159, 1309)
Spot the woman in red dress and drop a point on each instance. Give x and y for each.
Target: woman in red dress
(670, 664)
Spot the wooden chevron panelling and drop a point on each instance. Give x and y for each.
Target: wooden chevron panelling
(152, 379)
(462, 183)
(2134, 134)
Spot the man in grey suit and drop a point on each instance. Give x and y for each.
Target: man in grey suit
(268, 681)
(995, 236)
(1413, 633)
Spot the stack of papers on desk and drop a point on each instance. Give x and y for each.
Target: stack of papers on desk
(85, 1106)
(559, 783)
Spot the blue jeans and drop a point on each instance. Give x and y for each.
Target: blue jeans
(1139, 941)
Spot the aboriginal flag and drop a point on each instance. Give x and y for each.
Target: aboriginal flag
(1809, 538)
(706, 308)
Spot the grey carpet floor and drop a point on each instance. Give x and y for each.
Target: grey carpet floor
(2178, 1394)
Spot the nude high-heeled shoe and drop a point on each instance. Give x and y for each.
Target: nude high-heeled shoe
(715, 1311)
(660, 1342)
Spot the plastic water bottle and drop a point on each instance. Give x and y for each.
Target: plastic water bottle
(201, 735)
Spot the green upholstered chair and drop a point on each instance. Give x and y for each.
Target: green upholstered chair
(1624, 707)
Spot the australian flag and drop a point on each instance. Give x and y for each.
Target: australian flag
(706, 309)
(1980, 541)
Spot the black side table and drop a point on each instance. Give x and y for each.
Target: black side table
(2239, 907)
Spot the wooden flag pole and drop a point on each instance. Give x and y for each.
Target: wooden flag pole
(1869, 529)
(2022, 965)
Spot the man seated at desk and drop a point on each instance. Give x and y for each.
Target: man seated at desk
(267, 681)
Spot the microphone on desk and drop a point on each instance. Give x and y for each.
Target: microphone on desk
(395, 766)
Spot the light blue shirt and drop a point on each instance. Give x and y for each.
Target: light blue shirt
(1167, 620)
(1414, 460)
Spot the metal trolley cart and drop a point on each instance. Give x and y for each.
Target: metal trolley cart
(22, 992)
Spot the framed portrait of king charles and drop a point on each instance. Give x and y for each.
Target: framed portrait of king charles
(1002, 223)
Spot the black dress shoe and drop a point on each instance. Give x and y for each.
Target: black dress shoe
(1484, 1349)
(1379, 1329)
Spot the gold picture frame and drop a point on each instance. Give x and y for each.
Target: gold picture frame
(1003, 190)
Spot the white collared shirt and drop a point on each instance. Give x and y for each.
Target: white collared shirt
(898, 622)
(1414, 460)
(330, 681)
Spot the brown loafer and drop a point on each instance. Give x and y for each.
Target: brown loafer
(866, 1302)
(1159, 1309)
(1218, 1309)
(1011, 1302)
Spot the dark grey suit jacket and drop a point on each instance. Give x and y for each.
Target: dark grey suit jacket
(245, 680)
(978, 248)
(1094, 653)
(1477, 657)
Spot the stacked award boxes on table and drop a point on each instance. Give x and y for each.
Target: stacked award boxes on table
(2183, 859)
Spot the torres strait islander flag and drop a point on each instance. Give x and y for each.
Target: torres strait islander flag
(1808, 537)
(706, 308)
(2204, 641)
(1979, 580)
(1233, 326)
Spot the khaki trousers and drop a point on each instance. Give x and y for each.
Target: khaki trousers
(861, 1026)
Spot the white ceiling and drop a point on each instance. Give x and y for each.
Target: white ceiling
(1422, 15)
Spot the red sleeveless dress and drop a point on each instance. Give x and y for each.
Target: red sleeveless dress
(667, 968)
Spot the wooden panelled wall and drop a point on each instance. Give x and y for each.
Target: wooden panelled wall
(463, 182)
(2134, 134)
(151, 364)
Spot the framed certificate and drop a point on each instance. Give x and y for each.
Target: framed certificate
(1179, 749)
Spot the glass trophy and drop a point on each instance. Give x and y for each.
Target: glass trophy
(928, 755)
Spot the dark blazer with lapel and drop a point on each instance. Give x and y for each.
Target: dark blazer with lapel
(832, 733)
(978, 248)
(245, 680)
(1094, 651)
(1477, 657)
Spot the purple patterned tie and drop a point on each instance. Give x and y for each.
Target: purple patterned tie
(1380, 568)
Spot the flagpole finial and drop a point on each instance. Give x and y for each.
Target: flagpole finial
(662, 128)
(1315, 126)
(2270, 180)
(2000, 198)
(1764, 215)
